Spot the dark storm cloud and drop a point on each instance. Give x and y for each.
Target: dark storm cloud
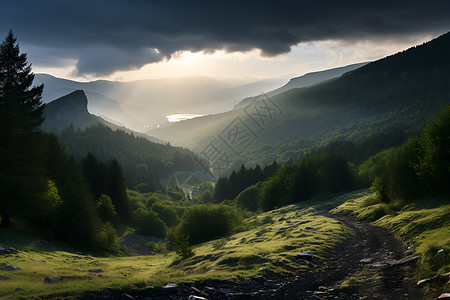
(110, 35)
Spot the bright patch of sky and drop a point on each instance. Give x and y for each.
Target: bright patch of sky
(303, 58)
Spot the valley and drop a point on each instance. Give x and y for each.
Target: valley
(327, 182)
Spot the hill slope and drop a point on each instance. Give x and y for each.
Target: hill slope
(305, 80)
(400, 92)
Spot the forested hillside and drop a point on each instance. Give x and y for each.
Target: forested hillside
(144, 162)
(400, 92)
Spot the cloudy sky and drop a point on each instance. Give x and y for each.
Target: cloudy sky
(135, 39)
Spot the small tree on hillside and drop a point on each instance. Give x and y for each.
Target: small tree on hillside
(21, 113)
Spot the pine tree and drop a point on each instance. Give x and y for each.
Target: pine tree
(117, 190)
(21, 113)
(96, 173)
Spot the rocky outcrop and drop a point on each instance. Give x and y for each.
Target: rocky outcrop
(71, 109)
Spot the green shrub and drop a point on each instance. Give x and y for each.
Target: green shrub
(157, 247)
(179, 242)
(378, 213)
(249, 198)
(148, 223)
(108, 238)
(166, 213)
(207, 221)
(106, 210)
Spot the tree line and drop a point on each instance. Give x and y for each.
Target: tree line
(39, 181)
(144, 162)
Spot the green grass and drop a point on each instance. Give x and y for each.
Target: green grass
(424, 224)
(270, 246)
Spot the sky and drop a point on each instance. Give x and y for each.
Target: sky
(138, 39)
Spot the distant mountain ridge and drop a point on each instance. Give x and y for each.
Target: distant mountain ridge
(306, 80)
(146, 103)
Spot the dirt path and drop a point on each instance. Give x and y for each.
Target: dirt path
(368, 261)
(365, 260)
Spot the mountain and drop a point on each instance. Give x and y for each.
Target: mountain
(398, 93)
(68, 110)
(147, 103)
(305, 80)
(72, 109)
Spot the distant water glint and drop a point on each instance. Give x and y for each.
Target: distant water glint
(181, 117)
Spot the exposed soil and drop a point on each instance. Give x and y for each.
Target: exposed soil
(370, 257)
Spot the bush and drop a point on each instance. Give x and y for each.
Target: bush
(249, 198)
(167, 214)
(108, 238)
(180, 243)
(106, 210)
(207, 221)
(157, 247)
(148, 223)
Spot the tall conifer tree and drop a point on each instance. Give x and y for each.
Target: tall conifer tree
(21, 113)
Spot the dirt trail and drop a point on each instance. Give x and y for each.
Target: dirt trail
(374, 278)
(367, 257)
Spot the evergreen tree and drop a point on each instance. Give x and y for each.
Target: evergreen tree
(117, 190)
(21, 113)
(95, 172)
(75, 221)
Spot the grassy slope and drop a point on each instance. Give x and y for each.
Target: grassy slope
(273, 242)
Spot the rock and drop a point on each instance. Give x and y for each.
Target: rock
(409, 252)
(171, 287)
(438, 278)
(195, 290)
(304, 255)
(50, 279)
(366, 261)
(126, 296)
(192, 297)
(5, 266)
(444, 296)
(7, 250)
(222, 291)
(208, 291)
(405, 260)
(96, 271)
